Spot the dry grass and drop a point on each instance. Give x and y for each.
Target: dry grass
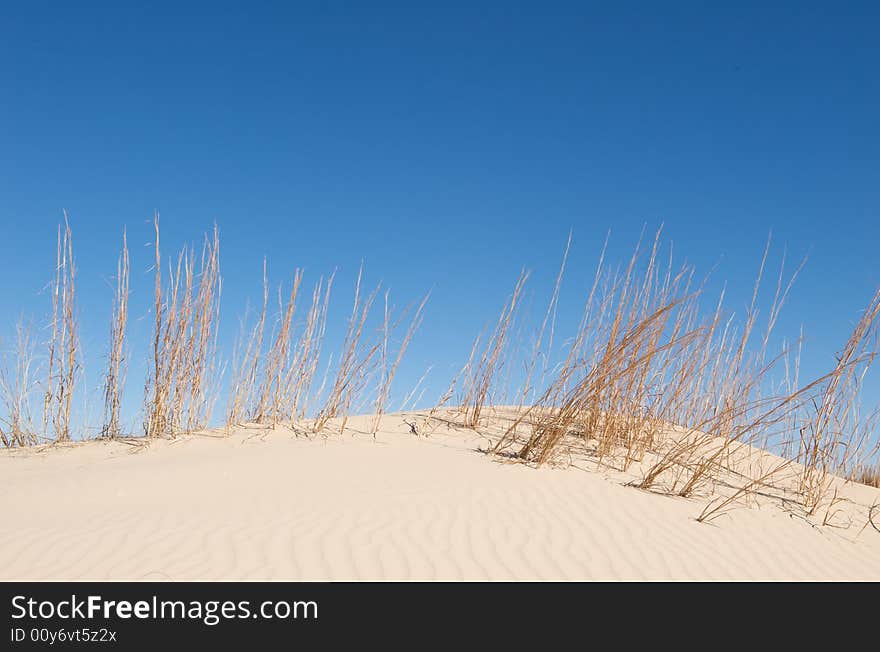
(272, 396)
(868, 476)
(387, 372)
(63, 362)
(539, 353)
(186, 315)
(354, 363)
(246, 365)
(479, 377)
(274, 386)
(301, 374)
(830, 438)
(644, 358)
(610, 387)
(114, 379)
(649, 380)
(16, 384)
(17, 379)
(722, 505)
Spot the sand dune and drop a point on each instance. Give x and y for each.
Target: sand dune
(397, 507)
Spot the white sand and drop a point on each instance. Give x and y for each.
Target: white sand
(399, 507)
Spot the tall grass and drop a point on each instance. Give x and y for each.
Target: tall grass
(20, 366)
(63, 346)
(176, 394)
(273, 394)
(830, 438)
(301, 374)
(539, 353)
(246, 362)
(658, 376)
(17, 381)
(273, 374)
(114, 379)
(479, 376)
(388, 368)
(355, 362)
(275, 385)
(649, 377)
(867, 475)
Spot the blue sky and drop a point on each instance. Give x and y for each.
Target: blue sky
(447, 144)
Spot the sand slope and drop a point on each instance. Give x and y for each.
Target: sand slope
(397, 507)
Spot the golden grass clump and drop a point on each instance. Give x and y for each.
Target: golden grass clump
(177, 392)
(300, 374)
(275, 386)
(114, 379)
(610, 387)
(16, 384)
(63, 347)
(867, 475)
(272, 394)
(62, 363)
(648, 379)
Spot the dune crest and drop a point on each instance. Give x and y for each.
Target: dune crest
(265, 504)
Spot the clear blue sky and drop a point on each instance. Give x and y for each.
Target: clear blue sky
(448, 144)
